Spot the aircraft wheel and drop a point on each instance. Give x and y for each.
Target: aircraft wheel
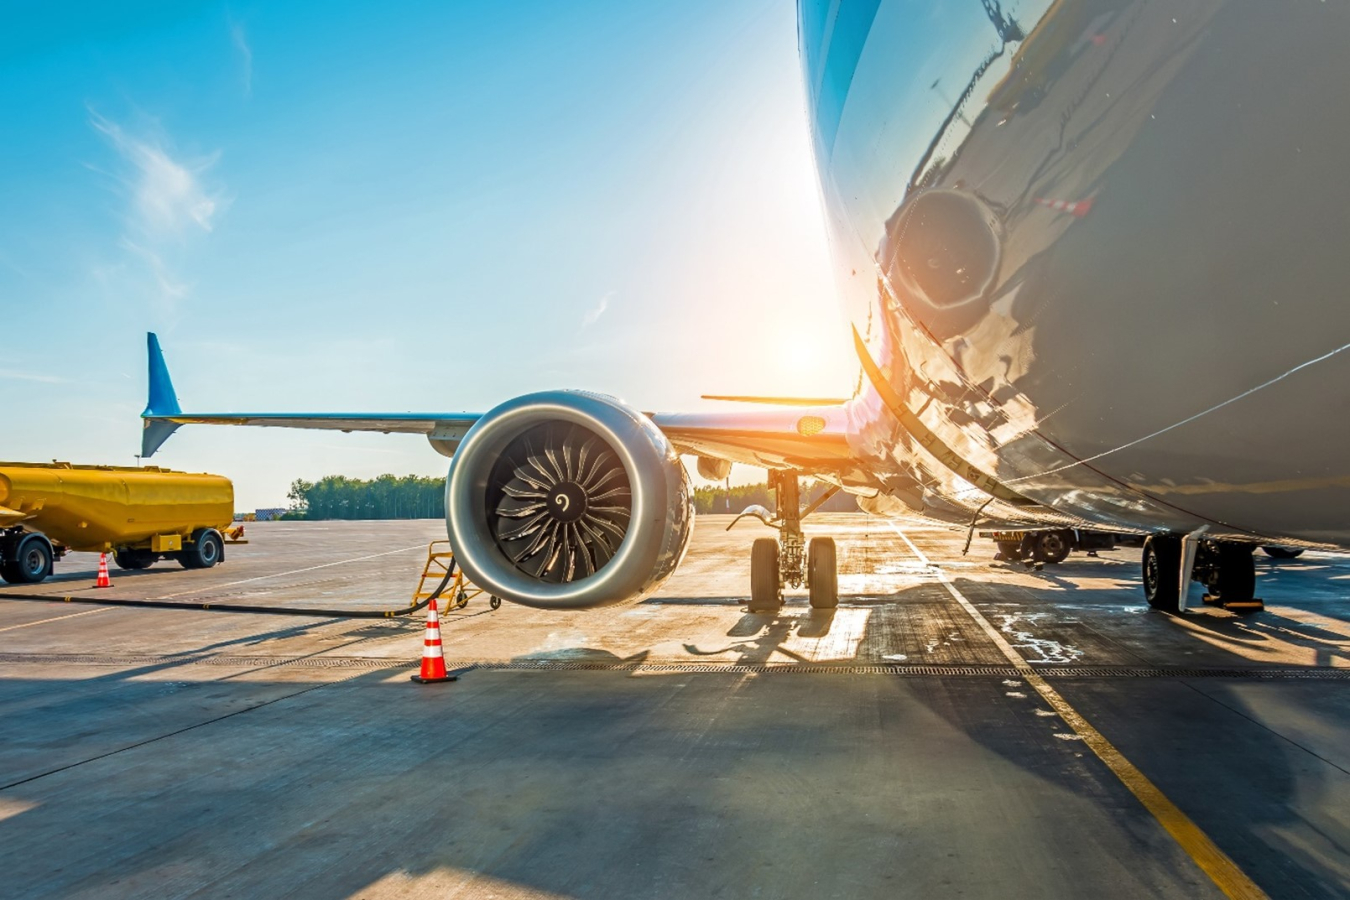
(1283, 552)
(765, 593)
(1162, 572)
(1053, 547)
(822, 575)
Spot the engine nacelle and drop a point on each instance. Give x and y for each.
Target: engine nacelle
(567, 499)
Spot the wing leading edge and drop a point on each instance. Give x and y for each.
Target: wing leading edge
(806, 438)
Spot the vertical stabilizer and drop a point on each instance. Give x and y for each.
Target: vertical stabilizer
(163, 402)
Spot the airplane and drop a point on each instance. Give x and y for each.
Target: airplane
(1105, 292)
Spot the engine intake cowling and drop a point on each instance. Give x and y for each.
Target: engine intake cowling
(567, 499)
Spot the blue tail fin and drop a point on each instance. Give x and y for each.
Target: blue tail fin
(163, 402)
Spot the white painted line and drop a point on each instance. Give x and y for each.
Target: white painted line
(341, 562)
(87, 612)
(1212, 861)
(1004, 647)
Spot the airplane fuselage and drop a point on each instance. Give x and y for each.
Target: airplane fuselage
(1103, 267)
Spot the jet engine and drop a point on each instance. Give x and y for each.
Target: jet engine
(567, 499)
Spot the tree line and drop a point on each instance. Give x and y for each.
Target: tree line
(414, 497)
(385, 497)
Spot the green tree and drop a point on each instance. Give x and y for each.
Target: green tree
(384, 497)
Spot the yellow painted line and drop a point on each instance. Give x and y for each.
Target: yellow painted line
(87, 612)
(1212, 861)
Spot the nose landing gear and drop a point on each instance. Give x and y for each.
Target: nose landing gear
(792, 560)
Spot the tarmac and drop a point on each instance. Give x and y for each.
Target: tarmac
(958, 727)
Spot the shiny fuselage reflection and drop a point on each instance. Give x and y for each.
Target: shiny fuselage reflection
(1098, 248)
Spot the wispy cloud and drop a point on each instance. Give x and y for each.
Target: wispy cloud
(169, 199)
(240, 40)
(168, 196)
(170, 287)
(594, 313)
(15, 375)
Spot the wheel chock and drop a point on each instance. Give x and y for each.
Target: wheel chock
(1255, 604)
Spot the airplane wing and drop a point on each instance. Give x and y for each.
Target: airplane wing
(806, 438)
(163, 415)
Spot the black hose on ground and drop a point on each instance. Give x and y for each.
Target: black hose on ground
(239, 608)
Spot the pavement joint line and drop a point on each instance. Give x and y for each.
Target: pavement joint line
(1220, 868)
(1262, 725)
(340, 562)
(87, 612)
(221, 718)
(324, 660)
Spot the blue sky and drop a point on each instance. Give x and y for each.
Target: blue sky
(418, 207)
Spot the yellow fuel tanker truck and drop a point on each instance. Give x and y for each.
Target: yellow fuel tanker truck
(140, 515)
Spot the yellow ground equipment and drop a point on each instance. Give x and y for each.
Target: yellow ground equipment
(440, 560)
(139, 514)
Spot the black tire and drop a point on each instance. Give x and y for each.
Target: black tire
(7, 573)
(1010, 550)
(765, 595)
(1283, 552)
(822, 574)
(494, 602)
(207, 549)
(132, 560)
(1162, 572)
(1237, 573)
(32, 561)
(1053, 547)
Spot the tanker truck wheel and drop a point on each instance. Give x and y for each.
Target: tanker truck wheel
(32, 562)
(131, 560)
(207, 549)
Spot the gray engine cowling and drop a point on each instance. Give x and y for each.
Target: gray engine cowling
(567, 499)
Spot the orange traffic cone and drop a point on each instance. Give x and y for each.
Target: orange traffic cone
(433, 660)
(103, 579)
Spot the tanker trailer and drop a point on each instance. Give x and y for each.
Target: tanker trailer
(140, 515)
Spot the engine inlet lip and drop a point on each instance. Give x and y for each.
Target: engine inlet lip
(626, 433)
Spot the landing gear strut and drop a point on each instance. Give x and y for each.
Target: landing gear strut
(1224, 567)
(791, 559)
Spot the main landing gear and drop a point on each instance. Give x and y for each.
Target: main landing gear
(1225, 569)
(791, 559)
